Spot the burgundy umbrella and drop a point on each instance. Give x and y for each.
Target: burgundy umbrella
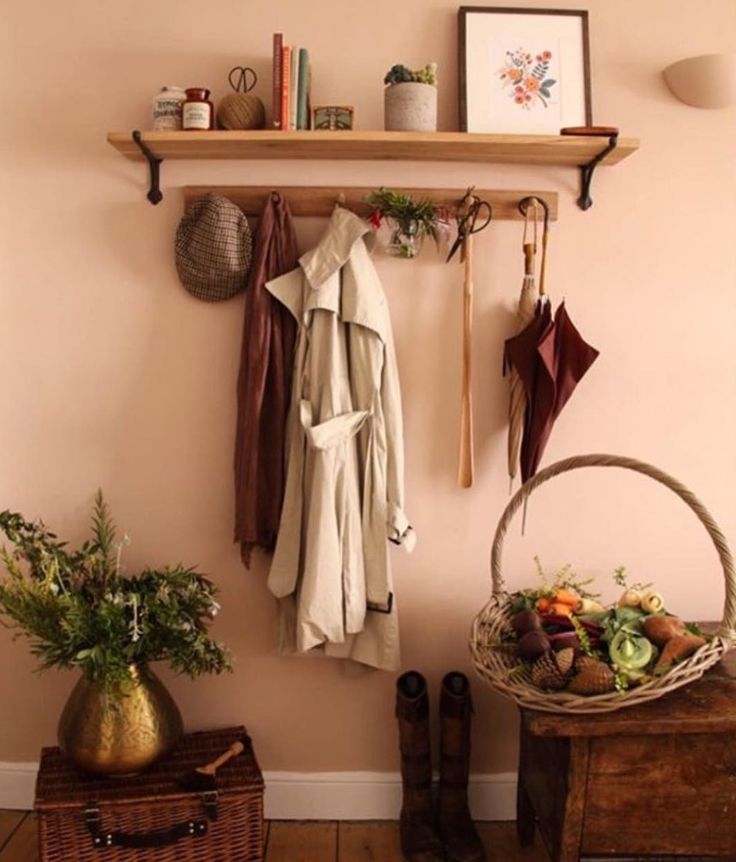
(551, 357)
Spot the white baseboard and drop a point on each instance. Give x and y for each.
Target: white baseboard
(316, 795)
(17, 784)
(372, 796)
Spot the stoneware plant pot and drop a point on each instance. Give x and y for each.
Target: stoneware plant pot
(119, 734)
(410, 107)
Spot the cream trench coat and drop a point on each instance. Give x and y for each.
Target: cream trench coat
(345, 457)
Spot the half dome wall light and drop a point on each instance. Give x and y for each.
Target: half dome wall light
(706, 81)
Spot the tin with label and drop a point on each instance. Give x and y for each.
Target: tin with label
(167, 109)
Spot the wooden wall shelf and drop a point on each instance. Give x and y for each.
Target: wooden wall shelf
(583, 151)
(404, 146)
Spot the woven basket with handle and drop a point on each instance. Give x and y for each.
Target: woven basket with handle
(494, 660)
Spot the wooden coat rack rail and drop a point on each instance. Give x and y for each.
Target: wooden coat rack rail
(319, 201)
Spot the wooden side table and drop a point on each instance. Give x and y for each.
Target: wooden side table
(650, 782)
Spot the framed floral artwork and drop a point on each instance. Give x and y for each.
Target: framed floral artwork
(523, 71)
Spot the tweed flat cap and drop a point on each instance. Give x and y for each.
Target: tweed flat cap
(213, 249)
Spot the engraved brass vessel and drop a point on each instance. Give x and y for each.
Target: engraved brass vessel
(123, 732)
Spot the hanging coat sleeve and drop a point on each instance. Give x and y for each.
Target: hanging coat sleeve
(398, 528)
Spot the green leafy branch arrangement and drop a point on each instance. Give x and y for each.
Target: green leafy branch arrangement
(78, 609)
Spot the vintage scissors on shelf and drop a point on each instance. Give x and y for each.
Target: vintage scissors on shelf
(238, 78)
(468, 213)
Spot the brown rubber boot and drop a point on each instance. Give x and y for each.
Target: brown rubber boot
(456, 827)
(419, 841)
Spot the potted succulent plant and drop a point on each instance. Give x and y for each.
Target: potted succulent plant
(410, 221)
(80, 610)
(410, 99)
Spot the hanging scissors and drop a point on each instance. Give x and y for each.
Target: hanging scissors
(468, 213)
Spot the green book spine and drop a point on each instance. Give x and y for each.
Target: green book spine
(302, 117)
(293, 81)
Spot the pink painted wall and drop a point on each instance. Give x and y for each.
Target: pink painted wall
(113, 376)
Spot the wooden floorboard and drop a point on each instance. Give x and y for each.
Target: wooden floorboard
(300, 842)
(501, 844)
(9, 822)
(368, 842)
(22, 846)
(292, 841)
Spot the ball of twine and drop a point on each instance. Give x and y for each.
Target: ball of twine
(241, 111)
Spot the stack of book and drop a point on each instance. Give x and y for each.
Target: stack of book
(291, 78)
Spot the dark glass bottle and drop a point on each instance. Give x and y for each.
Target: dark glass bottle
(197, 112)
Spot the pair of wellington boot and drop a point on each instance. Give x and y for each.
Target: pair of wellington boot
(450, 835)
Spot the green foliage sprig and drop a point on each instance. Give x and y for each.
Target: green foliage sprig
(621, 579)
(78, 609)
(564, 579)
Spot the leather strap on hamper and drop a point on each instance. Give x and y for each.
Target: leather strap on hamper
(138, 840)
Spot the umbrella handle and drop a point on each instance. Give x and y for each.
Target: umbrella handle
(529, 253)
(525, 206)
(543, 266)
(727, 628)
(465, 459)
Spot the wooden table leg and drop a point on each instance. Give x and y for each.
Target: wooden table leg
(571, 836)
(525, 817)
(525, 814)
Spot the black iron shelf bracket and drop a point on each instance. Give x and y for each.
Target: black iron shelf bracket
(585, 201)
(154, 162)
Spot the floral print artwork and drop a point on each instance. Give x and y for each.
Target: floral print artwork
(527, 78)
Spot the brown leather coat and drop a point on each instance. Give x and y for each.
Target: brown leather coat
(264, 385)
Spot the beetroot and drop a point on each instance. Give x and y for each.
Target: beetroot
(526, 621)
(562, 640)
(533, 645)
(557, 621)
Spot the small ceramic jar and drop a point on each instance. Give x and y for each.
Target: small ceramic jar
(197, 112)
(167, 109)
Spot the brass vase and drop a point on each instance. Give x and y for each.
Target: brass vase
(122, 732)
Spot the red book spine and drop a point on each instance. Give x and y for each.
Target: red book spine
(278, 43)
(285, 85)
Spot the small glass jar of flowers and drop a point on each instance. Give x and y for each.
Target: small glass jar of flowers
(410, 221)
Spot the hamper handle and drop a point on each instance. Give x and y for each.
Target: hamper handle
(140, 840)
(728, 624)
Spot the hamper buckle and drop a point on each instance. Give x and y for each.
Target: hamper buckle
(210, 801)
(92, 816)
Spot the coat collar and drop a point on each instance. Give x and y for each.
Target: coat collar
(334, 249)
(356, 297)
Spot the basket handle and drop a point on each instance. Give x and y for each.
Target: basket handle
(102, 839)
(728, 624)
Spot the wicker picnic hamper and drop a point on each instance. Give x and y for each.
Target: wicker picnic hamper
(149, 817)
(494, 662)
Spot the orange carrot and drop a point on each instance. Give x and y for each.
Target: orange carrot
(565, 597)
(561, 608)
(543, 604)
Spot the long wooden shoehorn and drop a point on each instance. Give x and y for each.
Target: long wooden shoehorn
(466, 461)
